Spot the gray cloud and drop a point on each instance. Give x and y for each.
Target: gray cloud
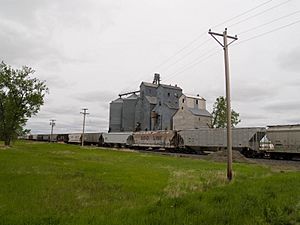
(64, 110)
(60, 127)
(68, 123)
(289, 107)
(22, 45)
(54, 81)
(245, 96)
(292, 83)
(43, 115)
(252, 116)
(290, 60)
(253, 92)
(39, 30)
(295, 120)
(22, 11)
(97, 96)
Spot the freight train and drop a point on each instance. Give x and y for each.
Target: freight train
(280, 142)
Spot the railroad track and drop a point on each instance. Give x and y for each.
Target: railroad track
(237, 157)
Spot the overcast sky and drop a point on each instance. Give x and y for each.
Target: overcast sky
(89, 51)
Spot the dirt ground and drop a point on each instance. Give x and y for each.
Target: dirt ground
(221, 156)
(278, 165)
(237, 157)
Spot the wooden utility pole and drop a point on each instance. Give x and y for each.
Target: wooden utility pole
(83, 125)
(52, 124)
(228, 101)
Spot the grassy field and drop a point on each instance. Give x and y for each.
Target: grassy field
(43, 183)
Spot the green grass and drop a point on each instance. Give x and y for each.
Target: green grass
(43, 183)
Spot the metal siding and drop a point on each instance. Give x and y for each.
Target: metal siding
(148, 90)
(74, 138)
(166, 113)
(142, 113)
(92, 137)
(115, 117)
(63, 137)
(207, 137)
(46, 137)
(146, 116)
(158, 139)
(138, 113)
(54, 137)
(34, 137)
(285, 138)
(116, 138)
(128, 115)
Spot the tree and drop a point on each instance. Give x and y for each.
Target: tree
(219, 114)
(21, 96)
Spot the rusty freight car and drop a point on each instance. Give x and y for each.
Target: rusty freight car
(162, 139)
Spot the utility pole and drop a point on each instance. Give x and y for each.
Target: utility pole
(83, 125)
(225, 45)
(52, 124)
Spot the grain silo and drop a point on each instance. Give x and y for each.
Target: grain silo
(115, 115)
(128, 116)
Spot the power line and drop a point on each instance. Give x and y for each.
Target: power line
(185, 55)
(246, 40)
(204, 58)
(268, 32)
(196, 62)
(270, 22)
(180, 50)
(203, 55)
(192, 65)
(260, 13)
(197, 59)
(242, 14)
(204, 33)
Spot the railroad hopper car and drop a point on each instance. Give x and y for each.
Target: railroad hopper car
(43, 137)
(285, 141)
(89, 138)
(32, 137)
(74, 138)
(53, 138)
(92, 138)
(214, 139)
(62, 138)
(163, 139)
(117, 139)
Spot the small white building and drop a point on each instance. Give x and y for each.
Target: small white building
(192, 113)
